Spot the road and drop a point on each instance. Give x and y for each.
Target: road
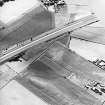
(46, 36)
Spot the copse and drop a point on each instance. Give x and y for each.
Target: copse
(4, 1)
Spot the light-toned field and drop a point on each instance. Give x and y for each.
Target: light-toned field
(16, 94)
(13, 10)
